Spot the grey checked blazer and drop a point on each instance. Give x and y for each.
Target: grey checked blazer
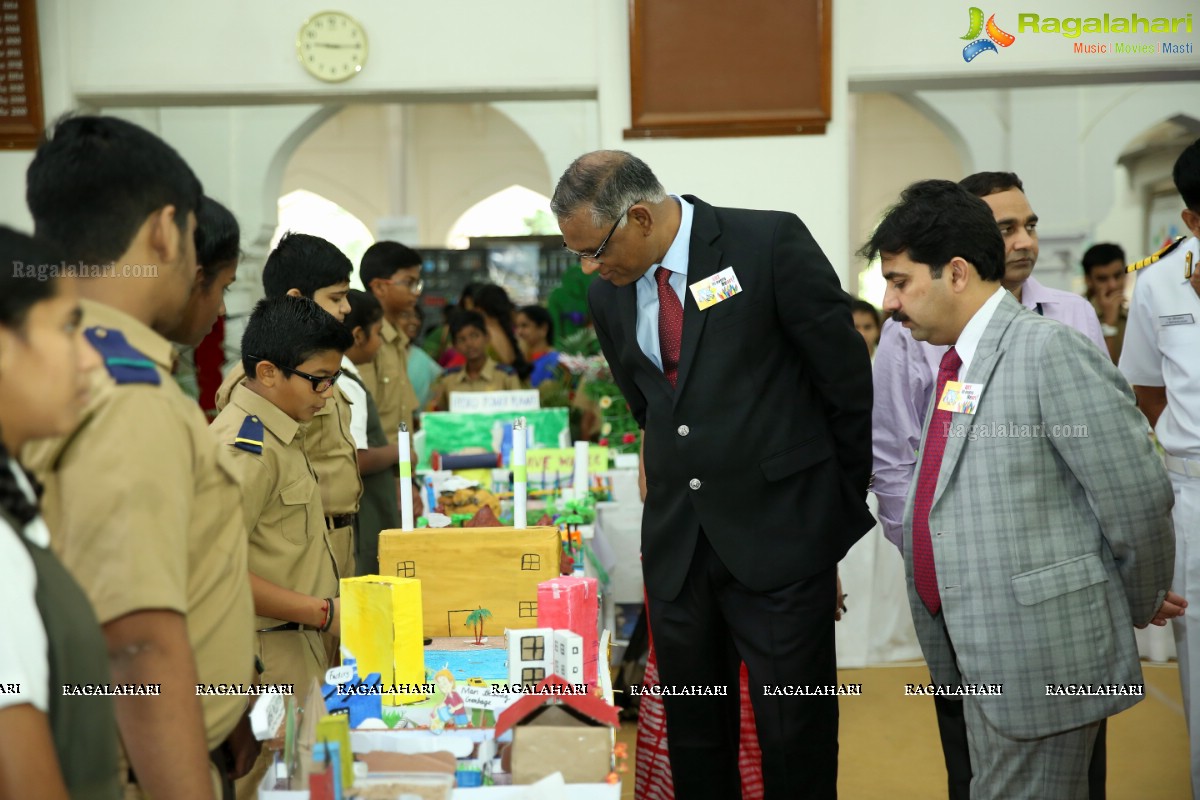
(1049, 543)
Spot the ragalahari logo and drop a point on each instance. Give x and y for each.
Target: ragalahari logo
(995, 36)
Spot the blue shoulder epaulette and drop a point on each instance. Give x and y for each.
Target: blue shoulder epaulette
(506, 369)
(124, 362)
(452, 370)
(250, 437)
(1150, 259)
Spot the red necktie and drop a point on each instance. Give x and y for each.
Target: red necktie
(924, 571)
(670, 324)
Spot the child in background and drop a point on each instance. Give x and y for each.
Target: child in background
(469, 333)
(377, 459)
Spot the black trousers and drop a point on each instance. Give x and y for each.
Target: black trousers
(786, 639)
(952, 727)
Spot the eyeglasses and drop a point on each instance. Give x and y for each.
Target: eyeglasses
(414, 285)
(596, 255)
(320, 383)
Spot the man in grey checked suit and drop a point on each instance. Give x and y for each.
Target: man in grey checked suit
(1029, 557)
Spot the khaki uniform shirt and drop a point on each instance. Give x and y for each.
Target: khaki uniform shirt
(492, 378)
(280, 499)
(386, 378)
(329, 444)
(137, 500)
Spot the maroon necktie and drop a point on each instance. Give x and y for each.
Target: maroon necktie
(924, 570)
(670, 324)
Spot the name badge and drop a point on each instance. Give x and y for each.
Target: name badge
(715, 288)
(1176, 319)
(960, 398)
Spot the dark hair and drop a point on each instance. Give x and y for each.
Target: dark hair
(1100, 254)
(287, 330)
(858, 304)
(94, 180)
(468, 292)
(541, 318)
(217, 238)
(1187, 176)
(981, 184)
(365, 311)
(606, 183)
(935, 221)
(466, 319)
(25, 264)
(494, 302)
(304, 262)
(382, 259)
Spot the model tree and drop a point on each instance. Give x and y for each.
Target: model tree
(476, 619)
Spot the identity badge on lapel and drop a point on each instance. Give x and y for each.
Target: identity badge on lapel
(715, 288)
(960, 398)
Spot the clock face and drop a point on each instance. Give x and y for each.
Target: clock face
(332, 46)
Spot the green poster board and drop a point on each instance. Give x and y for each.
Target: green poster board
(447, 432)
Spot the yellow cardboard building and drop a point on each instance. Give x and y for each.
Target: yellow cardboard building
(381, 628)
(463, 569)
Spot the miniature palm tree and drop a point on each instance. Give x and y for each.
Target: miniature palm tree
(476, 619)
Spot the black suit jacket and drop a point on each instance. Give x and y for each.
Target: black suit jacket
(774, 387)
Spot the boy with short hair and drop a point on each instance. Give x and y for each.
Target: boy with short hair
(292, 352)
(469, 334)
(309, 266)
(377, 458)
(392, 273)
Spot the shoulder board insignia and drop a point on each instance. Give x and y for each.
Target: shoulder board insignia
(250, 437)
(1150, 259)
(506, 369)
(452, 370)
(125, 363)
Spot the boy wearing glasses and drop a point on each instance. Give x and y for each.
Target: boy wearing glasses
(291, 352)
(309, 266)
(392, 272)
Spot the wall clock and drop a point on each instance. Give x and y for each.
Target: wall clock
(332, 46)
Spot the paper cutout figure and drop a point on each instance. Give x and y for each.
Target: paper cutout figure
(452, 711)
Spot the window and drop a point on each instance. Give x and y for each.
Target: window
(531, 561)
(533, 648)
(406, 569)
(528, 608)
(532, 676)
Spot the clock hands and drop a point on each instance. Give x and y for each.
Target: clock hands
(334, 46)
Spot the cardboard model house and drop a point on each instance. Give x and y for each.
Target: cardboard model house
(464, 569)
(530, 655)
(570, 734)
(572, 604)
(568, 656)
(381, 626)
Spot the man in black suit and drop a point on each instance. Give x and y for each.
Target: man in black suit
(730, 337)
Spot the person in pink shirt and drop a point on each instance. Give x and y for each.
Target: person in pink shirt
(905, 373)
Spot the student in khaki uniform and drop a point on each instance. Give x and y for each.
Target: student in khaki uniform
(468, 332)
(392, 272)
(377, 459)
(137, 496)
(308, 266)
(293, 350)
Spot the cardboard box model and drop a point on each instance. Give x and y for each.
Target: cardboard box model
(568, 656)
(381, 627)
(572, 604)
(463, 569)
(530, 655)
(570, 734)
